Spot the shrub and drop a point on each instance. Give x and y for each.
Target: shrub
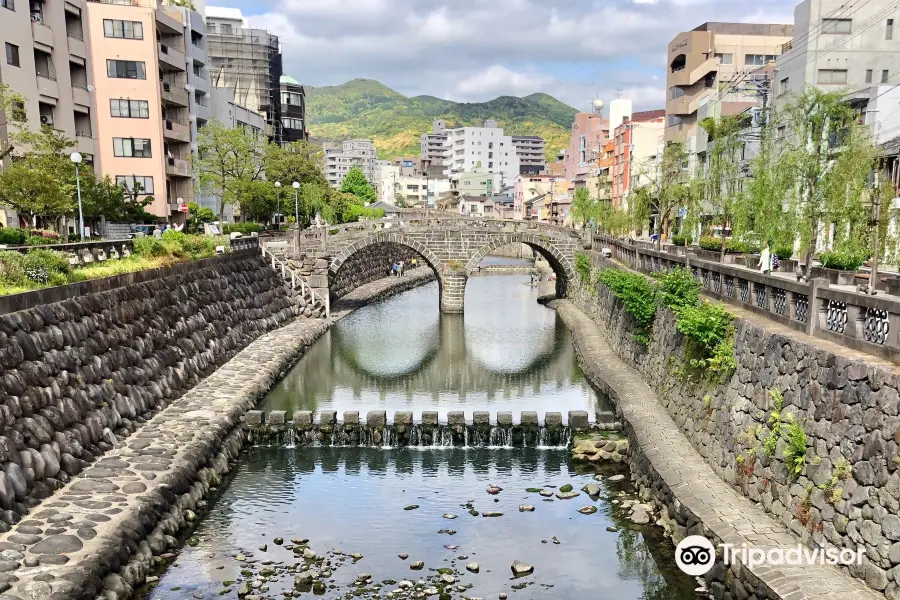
(732, 246)
(583, 267)
(12, 237)
(12, 267)
(637, 294)
(795, 452)
(170, 235)
(784, 252)
(680, 240)
(246, 228)
(845, 260)
(709, 333)
(677, 289)
(149, 246)
(199, 246)
(42, 266)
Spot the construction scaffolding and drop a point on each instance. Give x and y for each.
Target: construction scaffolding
(249, 62)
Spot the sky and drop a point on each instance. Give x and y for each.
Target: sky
(476, 50)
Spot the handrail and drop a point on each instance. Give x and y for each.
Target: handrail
(295, 278)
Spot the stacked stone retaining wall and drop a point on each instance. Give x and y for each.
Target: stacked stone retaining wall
(78, 374)
(371, 265)
(848, 404)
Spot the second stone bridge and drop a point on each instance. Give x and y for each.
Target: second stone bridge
(336, 260)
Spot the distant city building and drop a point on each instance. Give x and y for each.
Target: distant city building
(352, 153)
(530, 150)
(293, 110)
(636, 146)
(526, 189)
(476, 206)
(433, 146)
(835, 48)
(590, 131)
(248, 61)
(465, 149)
(477, 183)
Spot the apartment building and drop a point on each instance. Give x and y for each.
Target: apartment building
(636, 146)
(352, 153)
(145, 67)
(247, 60)
(530, 150)
(468, 148)
(590, 131)
(478, 182)
(293, 111)
(433, 147)
(839, 46)
(711, 59)
(47, 61)
(527, 187)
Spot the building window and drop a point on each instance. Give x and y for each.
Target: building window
(758, 60)
(839, 26)
(292, 123)
(291, 99)
(134, 109)
(868, 75)
(126, 69)
(10, 4)
(884, 76)
(128, 182)
(673, 120)
(889, 30)
(725, 59)
(783, 86)
(12, 54)
(128, 30)
(832, 76)
(675, 92)
(131, 147)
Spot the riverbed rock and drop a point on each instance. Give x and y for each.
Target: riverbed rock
(417, 565)
(526, 508)
(567, 495)
(521, 569)
(546, 493)
(473, 567)
(587, 510)
(449, 516)
(494, 490)
(640, 514)
(447, 578)
(592, 489)
(618, 477)
(566, 488)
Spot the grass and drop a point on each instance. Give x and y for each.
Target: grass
(149, 253)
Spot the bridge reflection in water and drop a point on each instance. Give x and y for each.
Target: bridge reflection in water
(505, 353)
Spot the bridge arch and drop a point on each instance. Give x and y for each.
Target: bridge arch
(561, 265)
(371, 244)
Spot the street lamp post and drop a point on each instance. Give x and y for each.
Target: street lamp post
(296, 186)
(75, 157)
(278, 187)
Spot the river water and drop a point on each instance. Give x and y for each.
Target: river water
(506, 353)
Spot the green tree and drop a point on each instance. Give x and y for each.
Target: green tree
(12, 113)
(584, 208)
(829, 156)
(298, 161)
(721, 176)
(103, 198)
(197, 216)
(667, 192)
(355, 183)
(226, 160)
(257, 199)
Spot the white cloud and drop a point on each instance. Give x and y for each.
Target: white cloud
(474, 50)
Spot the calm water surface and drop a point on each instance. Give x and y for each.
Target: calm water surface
(505, 353)
(353, 499)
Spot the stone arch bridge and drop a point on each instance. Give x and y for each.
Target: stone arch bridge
(339, 259)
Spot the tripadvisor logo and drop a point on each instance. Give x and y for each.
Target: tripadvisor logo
(696, 555)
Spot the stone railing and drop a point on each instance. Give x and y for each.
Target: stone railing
(82, 253)
(296, 281)
(244, 243)
(859, 321)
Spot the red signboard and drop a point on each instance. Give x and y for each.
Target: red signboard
(183, 208)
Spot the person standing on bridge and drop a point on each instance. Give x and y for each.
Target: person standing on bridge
(414, 262)
(400, 272)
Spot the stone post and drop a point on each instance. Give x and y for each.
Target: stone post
(812, 315)
(453, 290)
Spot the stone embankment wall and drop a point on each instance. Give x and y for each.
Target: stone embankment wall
(371, 265)
(514, 251)
(79, 373)
(848, 492)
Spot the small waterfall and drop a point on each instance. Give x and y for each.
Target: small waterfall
(414, 436)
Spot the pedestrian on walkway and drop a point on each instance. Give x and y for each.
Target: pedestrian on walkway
(394, 269)
(415, 262)
(400, 272)
(765, 259)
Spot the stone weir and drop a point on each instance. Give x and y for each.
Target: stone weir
(324, 429)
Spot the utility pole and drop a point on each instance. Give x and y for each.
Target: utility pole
(876, 210)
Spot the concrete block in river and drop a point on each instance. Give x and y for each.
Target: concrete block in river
(606, 417)
(376, 418)
(277, 417)
(303, 420)
(578, 419)
(430, 417)
(481, 418)
(351, 417)
(529, 418)
(505, 418)
(327, 419)
(456, 417)
(404, 418)
(553, 419)
(254, 417)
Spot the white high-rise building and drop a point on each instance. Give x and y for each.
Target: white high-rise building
(352, 153)
(468, 148)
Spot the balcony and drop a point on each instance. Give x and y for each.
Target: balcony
(174, 130)
(686, 105)
(48, 87)
(173, 93)
(199, 54)
(169, 17)
(684, 77)
(81, 96)
(77, 47)
(178, 167)
(172, 57)
(41, 33)
(84, 144)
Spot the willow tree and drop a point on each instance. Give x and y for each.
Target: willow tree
(720, 180)
(584, 208)
(666, 193)
(829, 157)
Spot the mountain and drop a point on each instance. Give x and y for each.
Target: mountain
(365, 108)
